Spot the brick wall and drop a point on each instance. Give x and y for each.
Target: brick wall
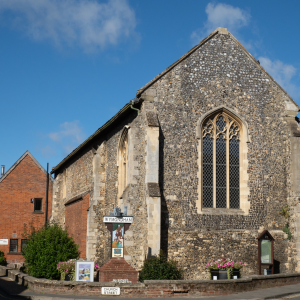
(76, 222)
(25, 182)
(154, 288)
(118, 268)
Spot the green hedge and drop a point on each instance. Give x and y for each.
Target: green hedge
(45, 248)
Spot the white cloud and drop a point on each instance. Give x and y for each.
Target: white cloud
(85, 23)
(68, 137)
(282, 73)
(48, 151)
(221, 15)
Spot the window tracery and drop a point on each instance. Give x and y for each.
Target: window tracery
(220, 162)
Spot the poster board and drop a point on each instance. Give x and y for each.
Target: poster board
(84, 271)
(265, 251)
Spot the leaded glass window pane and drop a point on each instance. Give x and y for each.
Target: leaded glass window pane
(220, 133)
(221, 172)
(234, 173)
(207, 171)
(221, 123)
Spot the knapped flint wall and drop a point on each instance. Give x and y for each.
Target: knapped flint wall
(220, 73)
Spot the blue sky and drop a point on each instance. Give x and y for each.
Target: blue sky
(67, 66)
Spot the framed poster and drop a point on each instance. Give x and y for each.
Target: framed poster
(84, 271)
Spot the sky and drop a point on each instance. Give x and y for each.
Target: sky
(67, 66)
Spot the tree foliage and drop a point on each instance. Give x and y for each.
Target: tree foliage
(46, 247)
(159, 268)
(2, 259)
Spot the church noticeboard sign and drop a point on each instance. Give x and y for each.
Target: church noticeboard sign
(117, 223)
(265, 250)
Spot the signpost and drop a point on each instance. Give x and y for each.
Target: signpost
(117, 269)
(117, 223)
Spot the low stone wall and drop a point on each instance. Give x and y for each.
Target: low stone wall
(153, 288)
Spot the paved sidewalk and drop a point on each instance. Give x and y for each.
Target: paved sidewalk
(16, 291)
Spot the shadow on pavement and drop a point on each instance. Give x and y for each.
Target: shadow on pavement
(11, 287)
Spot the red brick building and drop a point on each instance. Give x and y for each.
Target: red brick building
(23, 201)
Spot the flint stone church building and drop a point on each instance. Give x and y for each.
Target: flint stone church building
(204, 158)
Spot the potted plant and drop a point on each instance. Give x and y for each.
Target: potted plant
(96, 272)
(224, 268)
(67, 270)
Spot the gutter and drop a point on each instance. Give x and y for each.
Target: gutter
(110, 122)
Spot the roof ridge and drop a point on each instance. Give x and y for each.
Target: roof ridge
(98, 131)
(19, 161)
(157, 77)
(261, 67)
(215, 32)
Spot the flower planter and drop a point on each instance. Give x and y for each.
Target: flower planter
(96, 276)
(236, 273)
(67, 277)
(221, 274)
(218, 269)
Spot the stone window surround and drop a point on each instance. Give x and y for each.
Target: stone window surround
(244, 139)
(122, 162)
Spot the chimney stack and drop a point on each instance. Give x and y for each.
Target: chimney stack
(2, 171)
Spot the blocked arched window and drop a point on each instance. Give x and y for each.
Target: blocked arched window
(123, 162)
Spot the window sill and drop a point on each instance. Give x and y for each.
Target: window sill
(38, 212)
(14, 253)
(222, 211)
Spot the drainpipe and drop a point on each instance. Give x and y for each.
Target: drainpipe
(133, 101)
(47, 191)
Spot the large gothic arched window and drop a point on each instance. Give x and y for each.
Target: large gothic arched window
(221, 162)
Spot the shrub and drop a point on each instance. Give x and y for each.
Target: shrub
(2, 259)
(45, 248)
(159, 268)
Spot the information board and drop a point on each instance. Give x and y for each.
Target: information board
(266, 253)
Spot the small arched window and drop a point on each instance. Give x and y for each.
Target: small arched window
(123, 162)
(221, 161)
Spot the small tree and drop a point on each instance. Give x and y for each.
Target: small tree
(46, 247)
(2, 259)
(159, 268)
